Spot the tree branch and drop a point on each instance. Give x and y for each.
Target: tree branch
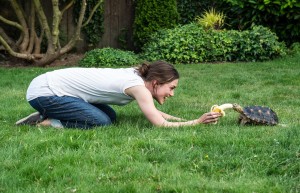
(67, 7)
(55, 23)
(44, 23)
(32, 28)
(7, 38)
(12, 23)
(13, 53)
(21, 18)
(76, 35)
(38, 41)
(92, 13)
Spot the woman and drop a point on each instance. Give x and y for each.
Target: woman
(80, 97)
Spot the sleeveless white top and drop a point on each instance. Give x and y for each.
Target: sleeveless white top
(93, 85)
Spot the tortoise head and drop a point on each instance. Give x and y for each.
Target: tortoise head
(237, 108)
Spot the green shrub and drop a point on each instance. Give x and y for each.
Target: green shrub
(151, 16)
(186, 44)
(108, 57)
(256, 44)
(295, 48)
(282, 17)
(193, 44)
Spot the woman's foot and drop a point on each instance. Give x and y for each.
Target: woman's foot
(31, 119)
(51, 123)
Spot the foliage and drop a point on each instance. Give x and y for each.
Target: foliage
(192, 44)
(133, 156)
(211, 19)
(295, 48)
(190, 9)
(187, 10)
(282, 17)
(151, 16)
(123, 38)
(179, 45)
(108, 57)
(95, 28)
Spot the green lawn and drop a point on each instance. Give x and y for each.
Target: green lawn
(133, 156)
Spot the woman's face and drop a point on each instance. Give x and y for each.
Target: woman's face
(162, 91)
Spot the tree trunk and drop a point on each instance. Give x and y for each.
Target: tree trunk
(28, 45)
(47, 59)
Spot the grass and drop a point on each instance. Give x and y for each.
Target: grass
(133, 156)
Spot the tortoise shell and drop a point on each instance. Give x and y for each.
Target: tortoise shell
(256, 115)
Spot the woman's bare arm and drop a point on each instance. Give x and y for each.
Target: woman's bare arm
(170, 117)
(146, 104)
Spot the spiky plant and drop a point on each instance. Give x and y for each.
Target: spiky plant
(211, 19)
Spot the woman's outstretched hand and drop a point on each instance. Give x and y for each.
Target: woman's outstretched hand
(211, 117)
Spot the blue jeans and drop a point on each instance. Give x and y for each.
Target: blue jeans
(74, 112)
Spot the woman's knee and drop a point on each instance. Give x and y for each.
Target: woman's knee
(110, 112)
(99, 121)
(103, 121)
(88, 123)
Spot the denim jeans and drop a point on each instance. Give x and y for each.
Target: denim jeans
(74, 112)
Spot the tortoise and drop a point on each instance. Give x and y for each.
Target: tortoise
(251, 115)
(256, 115)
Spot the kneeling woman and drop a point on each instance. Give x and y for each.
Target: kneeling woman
(80, 97)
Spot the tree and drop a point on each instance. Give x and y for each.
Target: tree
(35, 28)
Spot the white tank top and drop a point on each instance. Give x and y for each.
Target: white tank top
(93, 85)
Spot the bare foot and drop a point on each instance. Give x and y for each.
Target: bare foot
(51, 123)
(45, 123)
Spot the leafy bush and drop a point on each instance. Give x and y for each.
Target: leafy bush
(186, 44)
(295, 48)
(282, 17)
(108, 57)
(193, 44)
(151, 16)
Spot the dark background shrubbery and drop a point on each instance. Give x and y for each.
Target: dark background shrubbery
(152, 15)
(282, 17)
(253, 31)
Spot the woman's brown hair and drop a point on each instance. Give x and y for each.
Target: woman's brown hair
(160, 71)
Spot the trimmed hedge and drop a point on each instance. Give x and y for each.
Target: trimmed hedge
(108, 57)
(193, 44)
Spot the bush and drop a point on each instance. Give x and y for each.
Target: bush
(108, 57)
(186, 44)
(192, 44)
(282, 17)
(151, 16)
(295, 48)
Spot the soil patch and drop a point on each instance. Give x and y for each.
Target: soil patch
(65, 60)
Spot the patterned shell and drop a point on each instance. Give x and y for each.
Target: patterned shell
(260, 115)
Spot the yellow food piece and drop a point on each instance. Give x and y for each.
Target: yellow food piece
(215, 108)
